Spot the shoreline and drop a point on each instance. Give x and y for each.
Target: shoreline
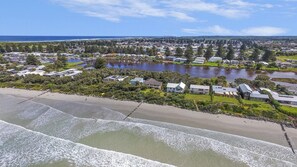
(261, 130)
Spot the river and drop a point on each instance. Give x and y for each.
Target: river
(201, 72)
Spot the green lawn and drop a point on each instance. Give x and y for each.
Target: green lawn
(196, 97)
(206, 98)
(222, 99)
(156, 91)
(284, 58)
(258, 105)
(289, 109)
(73, 65)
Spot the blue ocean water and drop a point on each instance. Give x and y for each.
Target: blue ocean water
(53, 38)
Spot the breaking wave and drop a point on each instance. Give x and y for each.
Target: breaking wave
(53, 135)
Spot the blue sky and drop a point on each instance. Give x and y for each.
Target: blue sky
(148, 17)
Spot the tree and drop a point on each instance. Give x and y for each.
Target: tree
(2, 50)
(153, 51)
(189, 53)
(259, 66)
(268, 56)
(8, 48)
(27, 49)
(200, 50)
(34, 48)
(100, 63)
(230, 54)
(242, 53)
(14, 48)
(167, 52)
(220, 52)
(40, 48)
(179, 52)
(32, 60)
(255, 55)
(209, 52)
(2, 60)
(61, 61)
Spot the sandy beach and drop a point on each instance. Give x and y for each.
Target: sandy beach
(261, 130)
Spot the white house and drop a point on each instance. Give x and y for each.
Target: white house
(28, 72)
(219, 90)
(136, 80)
(176, 87)
(69, 73)
(215, 59)
(181, 60)
(286, 99)
(199, 60)
(199, 89)
(115, 78)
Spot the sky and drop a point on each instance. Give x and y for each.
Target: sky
(149, 17)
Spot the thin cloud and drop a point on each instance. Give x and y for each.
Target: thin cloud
(115, 10)
(251, 31)
(263, 31)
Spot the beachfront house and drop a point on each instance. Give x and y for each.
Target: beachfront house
(199, 60)
(136, 81)
(224, 91)
(285, 99)
(69, 73)
(199, 89)
(152, 83)
(256, 95)
(115, 78)
(176, 87)
(245, 91)
(215, 59)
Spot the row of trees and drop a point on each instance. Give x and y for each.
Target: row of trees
(49, 48)
(228, 53)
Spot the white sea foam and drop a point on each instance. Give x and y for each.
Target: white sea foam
(249, 151)
(41, 148)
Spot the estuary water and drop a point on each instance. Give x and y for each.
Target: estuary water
(35, 134)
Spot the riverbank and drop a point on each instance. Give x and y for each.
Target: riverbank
(260, 130)
(200, 71)
(206, 65)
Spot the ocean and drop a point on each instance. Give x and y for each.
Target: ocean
(54, 38)
(35, 134)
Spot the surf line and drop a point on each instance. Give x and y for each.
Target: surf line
(31, 98)
(133, 110)
(287, 138)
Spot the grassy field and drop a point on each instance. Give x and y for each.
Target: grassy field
(155, 91)
(258, 105)
(222, 99)
(289, 109)
(288, 80)
(284, 58)
(206, 98)
(196, 97)
(73, 65)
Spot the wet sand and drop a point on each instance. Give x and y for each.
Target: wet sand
(261, 130)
